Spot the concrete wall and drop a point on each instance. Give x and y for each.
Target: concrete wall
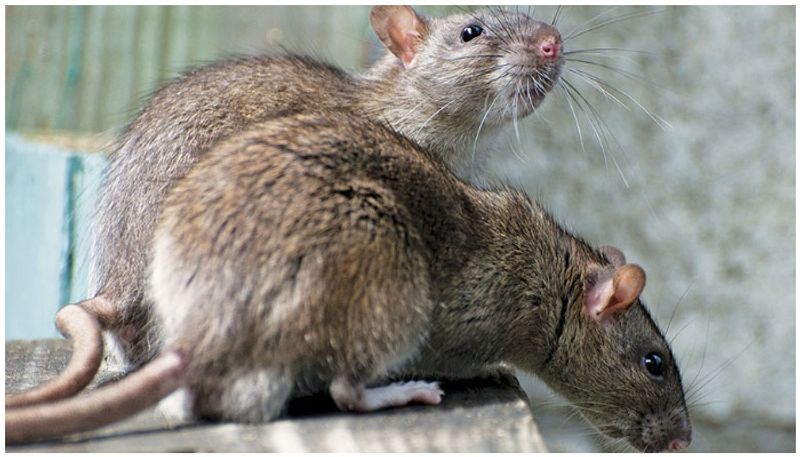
(709, 209)
(706, 204)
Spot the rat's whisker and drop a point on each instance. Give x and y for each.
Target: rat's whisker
(677, 304)
(620, 71)
(599, 125)
(598, 87)
(611, 21)
(703, 359)
(716, 372)
(663, 124)
(606, 131)
(671, 340)
(604, 50)
(422, 126)
(568, 97)
(403, 117)
(591, 20)
(480, 126)
(516, 111)
(559, 8)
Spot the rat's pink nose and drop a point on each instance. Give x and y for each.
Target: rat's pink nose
(677, 445)
(549, 48)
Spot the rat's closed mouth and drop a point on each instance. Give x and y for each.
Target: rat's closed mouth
(546, 76)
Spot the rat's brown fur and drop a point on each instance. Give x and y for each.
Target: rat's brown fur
(190, 114)
(182, 121)
(451, 94)
(316, 250)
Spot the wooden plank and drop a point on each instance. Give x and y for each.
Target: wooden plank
(489, 414)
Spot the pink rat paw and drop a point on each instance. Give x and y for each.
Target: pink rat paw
(395, 394)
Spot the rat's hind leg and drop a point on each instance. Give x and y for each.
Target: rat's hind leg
(355, 397)
(253, 396)
(385, 323)
(177, 406)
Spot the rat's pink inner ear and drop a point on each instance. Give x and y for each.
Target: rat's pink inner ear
(598, 297)
(616, 293)
(400, 29)
(629, 282)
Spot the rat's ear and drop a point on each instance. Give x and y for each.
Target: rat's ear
(614, 255)
(400, 29)
(612, 294)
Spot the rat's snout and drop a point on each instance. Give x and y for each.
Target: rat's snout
(677, 445)
(681, 438)
(547, 43)
(549, 48)
(668, 431)
(540, 45)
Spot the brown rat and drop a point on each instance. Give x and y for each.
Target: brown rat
(327, 252)
(445, 83)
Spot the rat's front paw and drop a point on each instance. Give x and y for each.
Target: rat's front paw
(428, 393)
(356, 398)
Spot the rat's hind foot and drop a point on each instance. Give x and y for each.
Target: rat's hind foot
(176, 408)
(358, 398)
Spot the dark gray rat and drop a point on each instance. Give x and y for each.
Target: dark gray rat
(444, 83)
(327, 252)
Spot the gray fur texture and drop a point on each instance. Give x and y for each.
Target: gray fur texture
(314, 249)
(452, 93)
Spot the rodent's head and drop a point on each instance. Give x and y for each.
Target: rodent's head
(485, 67)
(611, 360)
(571, 315)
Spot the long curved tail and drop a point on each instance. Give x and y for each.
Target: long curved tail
(108, 404)
(81, 322)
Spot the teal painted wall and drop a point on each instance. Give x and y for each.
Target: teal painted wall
(50, 195)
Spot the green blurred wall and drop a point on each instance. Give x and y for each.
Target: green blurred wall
(87, 68)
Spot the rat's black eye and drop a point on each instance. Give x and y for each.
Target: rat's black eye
(654, 364)
(470, 32)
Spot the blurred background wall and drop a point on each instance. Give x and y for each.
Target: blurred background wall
(693, 175)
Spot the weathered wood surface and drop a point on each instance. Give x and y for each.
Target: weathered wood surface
(480, 415)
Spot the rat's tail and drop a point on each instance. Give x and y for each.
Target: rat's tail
(103, 406)
(81, 322)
